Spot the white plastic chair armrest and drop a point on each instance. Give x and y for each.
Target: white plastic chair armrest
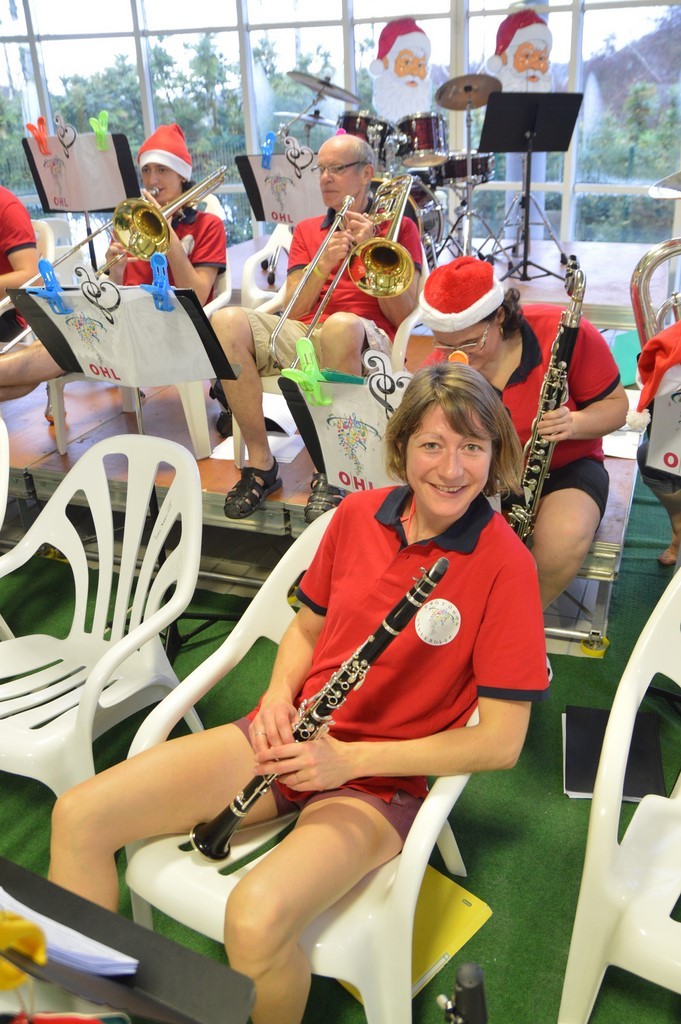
(217, 303)
(167, 713)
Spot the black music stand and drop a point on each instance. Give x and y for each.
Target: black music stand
(173, 984)
(520, 122)
(75, 175)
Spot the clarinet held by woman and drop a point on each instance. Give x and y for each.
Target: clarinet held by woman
(538, 451)
(212, 838)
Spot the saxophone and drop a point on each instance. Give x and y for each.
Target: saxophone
(212, 838)
(537, 453)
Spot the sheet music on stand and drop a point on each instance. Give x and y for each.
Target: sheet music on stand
(283, 193)
(75, 175)
(117, 334)
(69, 947)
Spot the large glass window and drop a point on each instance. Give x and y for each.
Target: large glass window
(147, 62)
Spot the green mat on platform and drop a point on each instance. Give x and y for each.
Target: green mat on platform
(522, 839)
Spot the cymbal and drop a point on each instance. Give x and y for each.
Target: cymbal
(314, 118)
(323, 86)
(457, 92)
(667, 188)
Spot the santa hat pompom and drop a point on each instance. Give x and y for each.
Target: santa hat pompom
(494, 65)
(638, 420)
(460, 294)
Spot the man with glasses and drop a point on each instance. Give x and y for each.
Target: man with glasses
(350, 322)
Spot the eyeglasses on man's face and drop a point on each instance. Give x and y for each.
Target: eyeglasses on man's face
(469, 346)
(335, 169)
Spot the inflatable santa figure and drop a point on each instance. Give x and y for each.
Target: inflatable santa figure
(402, 83)
(521, 58)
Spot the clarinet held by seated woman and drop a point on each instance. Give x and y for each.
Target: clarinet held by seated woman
(538, 451)
(212, 838)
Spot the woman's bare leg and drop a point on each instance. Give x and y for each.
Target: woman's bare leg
(162, 791)
(335, 843)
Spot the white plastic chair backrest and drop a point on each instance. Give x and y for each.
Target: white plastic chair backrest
(658, 650)
(267, 616)
(61, 229)
(140, 588)
(405, 329)
(252, 295)
(4, 469)
(211, 204)
(44, 239)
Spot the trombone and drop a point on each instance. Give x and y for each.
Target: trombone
(139, 226)
(379, 266)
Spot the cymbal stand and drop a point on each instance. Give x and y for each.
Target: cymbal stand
(461, 230)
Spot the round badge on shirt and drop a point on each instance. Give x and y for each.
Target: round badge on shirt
(438, 622)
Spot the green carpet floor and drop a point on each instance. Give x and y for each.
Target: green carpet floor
(522, 839)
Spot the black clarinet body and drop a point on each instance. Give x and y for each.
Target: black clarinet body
(212, 838)
(538, 452)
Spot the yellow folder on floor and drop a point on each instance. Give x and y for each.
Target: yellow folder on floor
(447, 916)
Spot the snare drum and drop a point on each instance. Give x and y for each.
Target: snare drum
(453, 170)
(426, 140)
(372, 129)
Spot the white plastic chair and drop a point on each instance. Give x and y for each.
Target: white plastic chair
(630, 888)
(366, 937)
(44, 239)
(57, 695)
(5, 631)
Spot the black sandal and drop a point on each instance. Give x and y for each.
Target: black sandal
(250, 492)
(322, 497)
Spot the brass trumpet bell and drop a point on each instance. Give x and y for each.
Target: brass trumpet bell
(381, 267)
(140, 228)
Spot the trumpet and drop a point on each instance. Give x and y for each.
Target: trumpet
(379, 266)
(139, 226)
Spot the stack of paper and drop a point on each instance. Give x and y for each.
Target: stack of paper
(68, 947)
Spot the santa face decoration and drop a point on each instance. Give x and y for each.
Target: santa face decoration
(521, 60)
(402, 84)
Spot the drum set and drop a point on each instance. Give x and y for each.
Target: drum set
(418, 145)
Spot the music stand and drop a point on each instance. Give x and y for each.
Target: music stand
(120, 336)
(283, 193)
(520, 122)
(76, 173)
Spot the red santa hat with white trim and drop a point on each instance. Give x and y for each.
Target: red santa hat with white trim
(658, 355)
(460, 294)
(167, 147)
(520, 27)
(411, 37)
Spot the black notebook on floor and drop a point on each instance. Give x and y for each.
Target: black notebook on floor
(583, 738)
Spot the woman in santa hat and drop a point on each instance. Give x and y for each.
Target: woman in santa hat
(466, 308)
(198, 244)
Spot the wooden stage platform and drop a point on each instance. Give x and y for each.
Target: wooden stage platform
(94, 409)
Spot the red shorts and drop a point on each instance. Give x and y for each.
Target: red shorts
(400, 811)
